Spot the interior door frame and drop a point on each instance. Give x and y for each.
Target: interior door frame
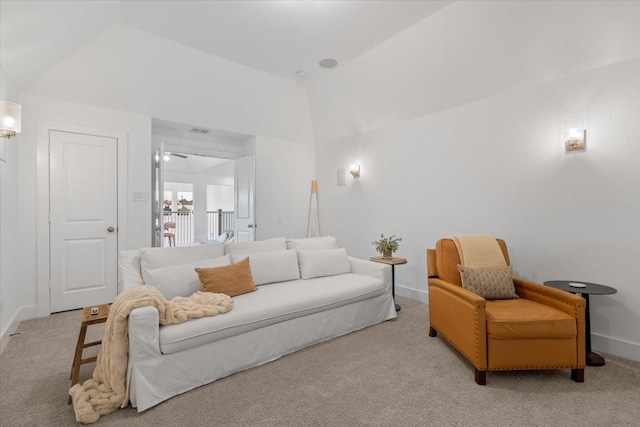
(43, 128)
(251, 228)
(157, 183)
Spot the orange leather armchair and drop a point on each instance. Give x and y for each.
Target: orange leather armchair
(543, 329)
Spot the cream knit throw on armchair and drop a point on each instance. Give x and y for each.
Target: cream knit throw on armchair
(479, 251)
(107, 389)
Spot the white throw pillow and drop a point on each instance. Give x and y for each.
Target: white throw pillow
(272, 267)
(222, 237)
(182, 280)
(312, 243)
(152, 258)
(323, 262)
(129, 271)
(248, 248)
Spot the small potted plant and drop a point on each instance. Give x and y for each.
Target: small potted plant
(386, 246)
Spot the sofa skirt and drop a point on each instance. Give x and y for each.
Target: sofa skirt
(154, 377)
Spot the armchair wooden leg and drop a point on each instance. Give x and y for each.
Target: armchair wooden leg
(481, 377)
(432, 332)
(577, 375)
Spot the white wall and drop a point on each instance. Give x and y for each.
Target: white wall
(220, 197)
(9, 272)
(498, 166)
(284, 170)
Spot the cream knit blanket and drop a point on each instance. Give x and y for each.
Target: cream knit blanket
(479, 251)
(107, 389)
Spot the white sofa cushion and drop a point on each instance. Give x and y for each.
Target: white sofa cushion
(248, 248)
(129, 270)
(312, 243)
(275, 303)
(323, 262)
(182, 280)
(152, 258)
(271, 267)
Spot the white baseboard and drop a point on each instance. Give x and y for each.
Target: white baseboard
(415, 294)
(25, 313)
(616, 346)
(29, 312)
(11, 326)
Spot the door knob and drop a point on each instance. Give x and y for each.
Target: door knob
(111, 229)
(250, 226)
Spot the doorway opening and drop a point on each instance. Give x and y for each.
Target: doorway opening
(198, 200)
(194, 179)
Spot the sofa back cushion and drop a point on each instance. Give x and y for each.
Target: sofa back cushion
(152, 258)
(182, 280)
(248, 248)
(233, 279)
(323, 262)
(312, 243)
(129, 273)
(272, 267)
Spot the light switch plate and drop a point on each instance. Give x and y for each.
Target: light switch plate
(140, 196)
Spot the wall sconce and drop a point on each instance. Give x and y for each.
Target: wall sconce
(355, 170)
(10, 118)
(575, 139)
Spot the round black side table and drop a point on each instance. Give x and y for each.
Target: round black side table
(593, 359)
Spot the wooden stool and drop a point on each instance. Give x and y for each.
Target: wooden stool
(171, 235)
(87, 319)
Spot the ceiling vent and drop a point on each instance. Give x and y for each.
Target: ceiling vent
(196, 130)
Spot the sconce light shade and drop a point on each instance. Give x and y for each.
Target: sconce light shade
(575, 139)
(355, 170)
(10, 118)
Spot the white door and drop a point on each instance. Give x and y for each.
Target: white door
(245, 230)
(83, 225)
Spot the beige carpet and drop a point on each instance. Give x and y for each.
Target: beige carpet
(388, 374)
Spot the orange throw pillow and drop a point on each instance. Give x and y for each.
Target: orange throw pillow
(233, 279)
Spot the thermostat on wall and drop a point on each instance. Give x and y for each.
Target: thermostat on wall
(140, 196)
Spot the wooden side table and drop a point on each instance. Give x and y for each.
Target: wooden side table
(393, 261)
(87, 319)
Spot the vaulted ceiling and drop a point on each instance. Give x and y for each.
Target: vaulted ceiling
(278, 37)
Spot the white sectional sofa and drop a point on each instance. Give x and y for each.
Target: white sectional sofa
(309, 291)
